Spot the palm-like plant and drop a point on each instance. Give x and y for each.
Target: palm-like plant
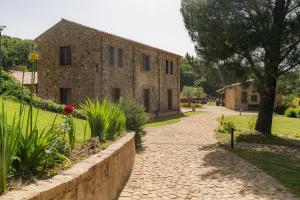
(9, 137)
(92, 110)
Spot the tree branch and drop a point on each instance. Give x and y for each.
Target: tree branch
(255, 70)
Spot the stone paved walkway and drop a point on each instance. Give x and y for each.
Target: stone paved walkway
(180, 161)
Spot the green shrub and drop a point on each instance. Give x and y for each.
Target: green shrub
(95, 115)
(291, 112)
(226, 126)
(106, 119)
(38, 150)
(9, 138)
(136, 118)
(116, 120)
(280, 110)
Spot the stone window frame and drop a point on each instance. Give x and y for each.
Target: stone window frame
(171, 67)
(146, 62)
(68, 60)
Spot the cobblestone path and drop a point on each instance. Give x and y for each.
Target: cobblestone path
(180, 161)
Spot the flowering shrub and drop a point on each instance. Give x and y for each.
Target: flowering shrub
(68, 110)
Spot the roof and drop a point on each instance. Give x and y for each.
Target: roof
(27, 77)
(119, 37)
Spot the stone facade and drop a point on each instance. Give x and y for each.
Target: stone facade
(101, 177)
(91, 75)
(232, 97)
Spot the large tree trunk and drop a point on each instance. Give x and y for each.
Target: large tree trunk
(265, 115)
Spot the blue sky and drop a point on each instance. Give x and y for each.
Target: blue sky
(155, 22)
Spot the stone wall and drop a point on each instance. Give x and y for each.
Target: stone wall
(101, 177)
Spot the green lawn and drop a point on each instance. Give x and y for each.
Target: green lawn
(286, 132)
(170, 119)
(284, 168)
(282, 126)
(46, 118)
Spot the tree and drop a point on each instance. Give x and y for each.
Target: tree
(15, 51)
(188, 93)
(262, 36)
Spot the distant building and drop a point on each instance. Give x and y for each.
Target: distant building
(27, 79)
(79, 62)
(242, 96)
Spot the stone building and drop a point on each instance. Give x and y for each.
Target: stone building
(79, 62)
(242, 96)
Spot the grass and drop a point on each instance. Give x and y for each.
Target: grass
(284, 168)
(171, 119)
(211, 103)
(282, 126)
(46, 118)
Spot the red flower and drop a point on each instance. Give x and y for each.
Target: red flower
(68, 110)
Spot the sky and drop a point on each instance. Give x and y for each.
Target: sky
(154, 22)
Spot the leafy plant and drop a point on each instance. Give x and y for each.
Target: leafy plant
(136, 118)
(95, 115)
(38, 150)
(116, 120)
(291, 112)
(226, 126)
(9, 137)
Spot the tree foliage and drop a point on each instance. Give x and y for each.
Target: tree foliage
(261, 36)
(15, 51)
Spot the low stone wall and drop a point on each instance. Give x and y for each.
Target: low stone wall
(101, 177)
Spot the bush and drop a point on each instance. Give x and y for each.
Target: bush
(94, 115)
(136, 118)
(135, 114)
(9, 138)
(226, 126)
(116, 120)
(291, 112)
(38, 150)
(280, 110)
(106, 119)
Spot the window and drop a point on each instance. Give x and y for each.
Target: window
(146, 63)
(120, 57)
(171, 65)
(97, 67)
(65, 96)
(170, 100)
(111, 56)
(167, 66)
(65, 55)
(244, 97)
(147, 100)
(116, 94)
(253, 98)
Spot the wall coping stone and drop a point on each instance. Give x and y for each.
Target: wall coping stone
(70, 178)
